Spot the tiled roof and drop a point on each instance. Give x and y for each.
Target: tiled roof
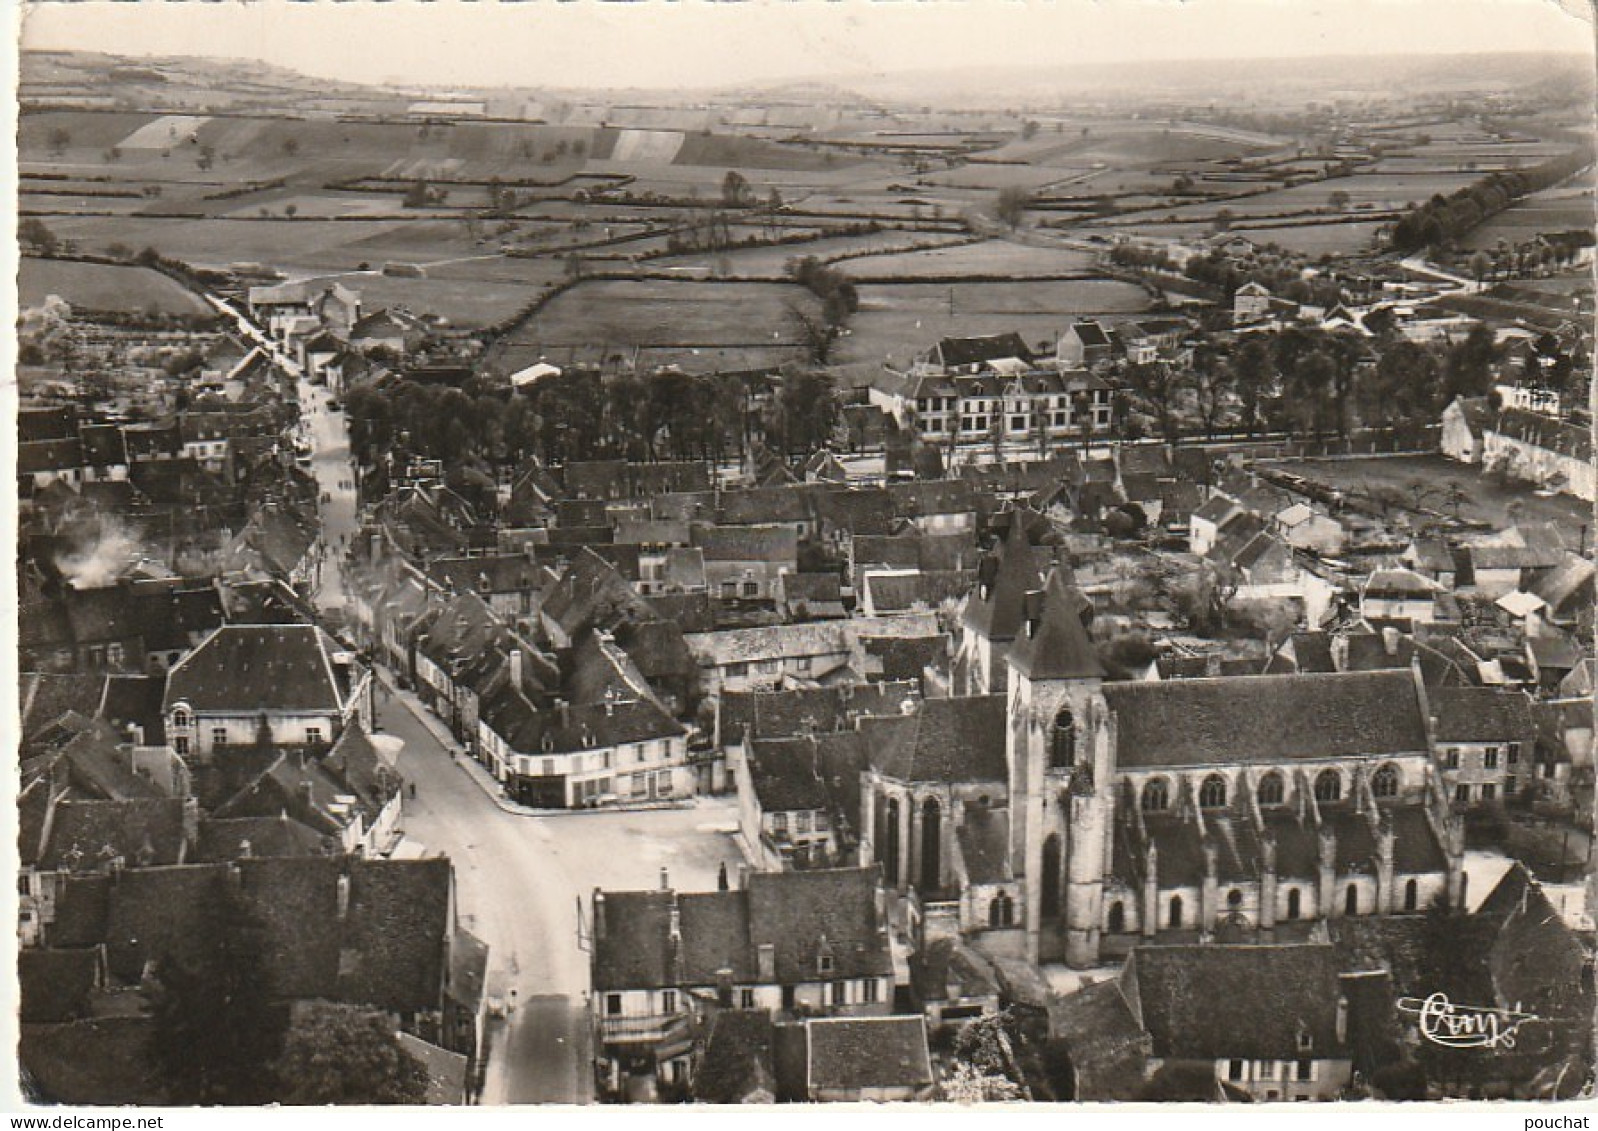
(782, 714)
(1564, 437)
(1481, 714)
(904, 658)
(1248, 1002)
(1266, 718)
(1004, 578)
(738, 1058)
(261, 668)
(785, 775)
(1053, 642)
(723, 930)
(946, 740)
(896, 592)
(1108, 1048)
(49, 455)
(774, 544)
(142, 832)
(969, 351)
(45, 697)
(226, 838)
(857, 1053)
(104, 1061)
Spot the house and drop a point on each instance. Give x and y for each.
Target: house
(867, 1060)
(750, 1059)
(1304, 528)
(952, 983)
(288, 684)
(1083, 345)
(1250, 303)
(1398, 595)
(785, 804)
(570, 756)
(1555, 454)
(1204, 525)
(809, 596)
(1484, 738)
(744, 562)
(781, 942)
(744, 658)
(391, 329)
(371, 933)
(1267, 1023)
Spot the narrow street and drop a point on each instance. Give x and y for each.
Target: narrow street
(520, 879)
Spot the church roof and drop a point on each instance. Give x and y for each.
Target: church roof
(1003, 581)
(1053, 642)
(1266, 718)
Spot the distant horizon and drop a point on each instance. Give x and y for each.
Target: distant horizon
(696, 45)
(813, 78)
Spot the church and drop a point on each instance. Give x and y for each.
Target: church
(1049, 814)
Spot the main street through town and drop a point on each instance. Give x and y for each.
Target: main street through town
(520, 877)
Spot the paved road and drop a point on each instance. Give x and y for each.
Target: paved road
(323, 428)
(512, 894)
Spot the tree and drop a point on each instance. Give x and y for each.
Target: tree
(216, 1027)
(291, 146)
(734, 188)
(1029, 129)
(417, 195)
(816, 334)
(1011, 204)
(1255, 375)
(290, 210)
(35, 235)
(806, 411)
(342, 1054)
(1223, 220)
(1405, 386)
(985, 1067)
(1468, 368)
(1213, 386)
(1309, 388)
(1338, 199)
(1160, 385)
(59, 139)
(1479, 264)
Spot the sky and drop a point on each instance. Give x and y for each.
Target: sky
(703, 43)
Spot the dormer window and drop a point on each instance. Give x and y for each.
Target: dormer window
(181, 717)
(1306, 1043)
(824, 962)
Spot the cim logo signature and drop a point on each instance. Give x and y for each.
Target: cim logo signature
(1465, 1026)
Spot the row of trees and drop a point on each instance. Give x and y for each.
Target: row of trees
(1305, 379)
(1442, 220)
(584, 415)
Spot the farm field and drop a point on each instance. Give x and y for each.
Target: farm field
(994, 177)
(1317, 239)
(772, 262)
(100, 286)
(607, 316)
(897, 320)
(1554, 210)
(989, 258)
(1484, 500)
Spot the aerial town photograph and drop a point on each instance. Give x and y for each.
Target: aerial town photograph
(707, 554)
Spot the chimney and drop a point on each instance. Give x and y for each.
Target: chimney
(766, 959)
(563, 711)
(245, 849)
(599, 915)
(1390, 637)
(343, 898)
(1342, 1019)
(743, 877)
(516, 668)
(665, 879)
